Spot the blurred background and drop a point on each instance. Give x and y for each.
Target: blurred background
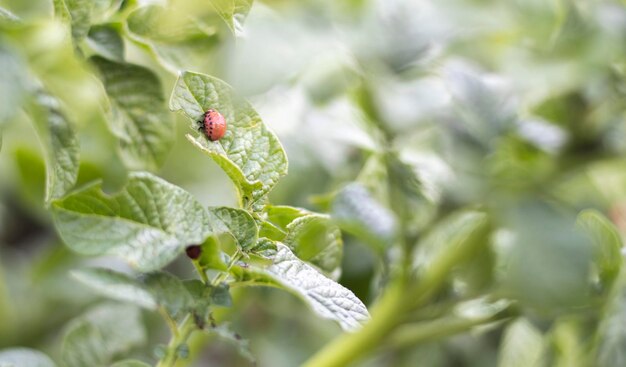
(515, 107)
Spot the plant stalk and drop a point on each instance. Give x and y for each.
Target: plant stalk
(347, 348)
(185, 329)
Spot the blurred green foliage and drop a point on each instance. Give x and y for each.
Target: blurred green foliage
(471, 151)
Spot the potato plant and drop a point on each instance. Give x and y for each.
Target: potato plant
(465, 204)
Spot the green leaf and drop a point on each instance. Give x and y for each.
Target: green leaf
(611, 333)
(59, 142)
(456, 240)
(206, 295)
(130, 363)
(31, 171)
(249, 153)
(522, 346)
(13, 84)
(18, 357)
(406, 195)
(169, 292)
(102, 333)
(234, 12)
(358, 213)
(61, 11)
(607, 244)
(483, 110)
(147, 223)
(7, 17)
(78, 13)
(139, 117)
(327, 298)
(179, 40)
(282, 215)
(315, 239)
(116, 285)
(547, 258)
(212, 256)
(239, 223)
(160, 289)
(224, 332)
(105, 40)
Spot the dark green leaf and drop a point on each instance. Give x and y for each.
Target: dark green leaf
(139, 118)
(148, 223)
(249, 153)
(105, 40)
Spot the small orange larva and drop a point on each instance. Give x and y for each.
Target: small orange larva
(213, 125)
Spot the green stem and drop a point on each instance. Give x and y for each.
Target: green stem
(409, 335)
(387, 313)
(397, 303)
(200, 271)
(224, 275)
(185, 329)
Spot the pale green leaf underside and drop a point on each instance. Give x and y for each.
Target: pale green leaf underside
(18, 357)
(116, 285)
(104, 332)
(179, 40)
(358, 212)
(239, 223)
(233, 12)
(327, 298)
(249, 153)
(12, 84)
(147, 223)
(7, 16)
(152, 290)
(139, 118)
(59, 142)
(522, 346)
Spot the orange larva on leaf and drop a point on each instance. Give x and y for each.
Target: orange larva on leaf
(213, 125)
